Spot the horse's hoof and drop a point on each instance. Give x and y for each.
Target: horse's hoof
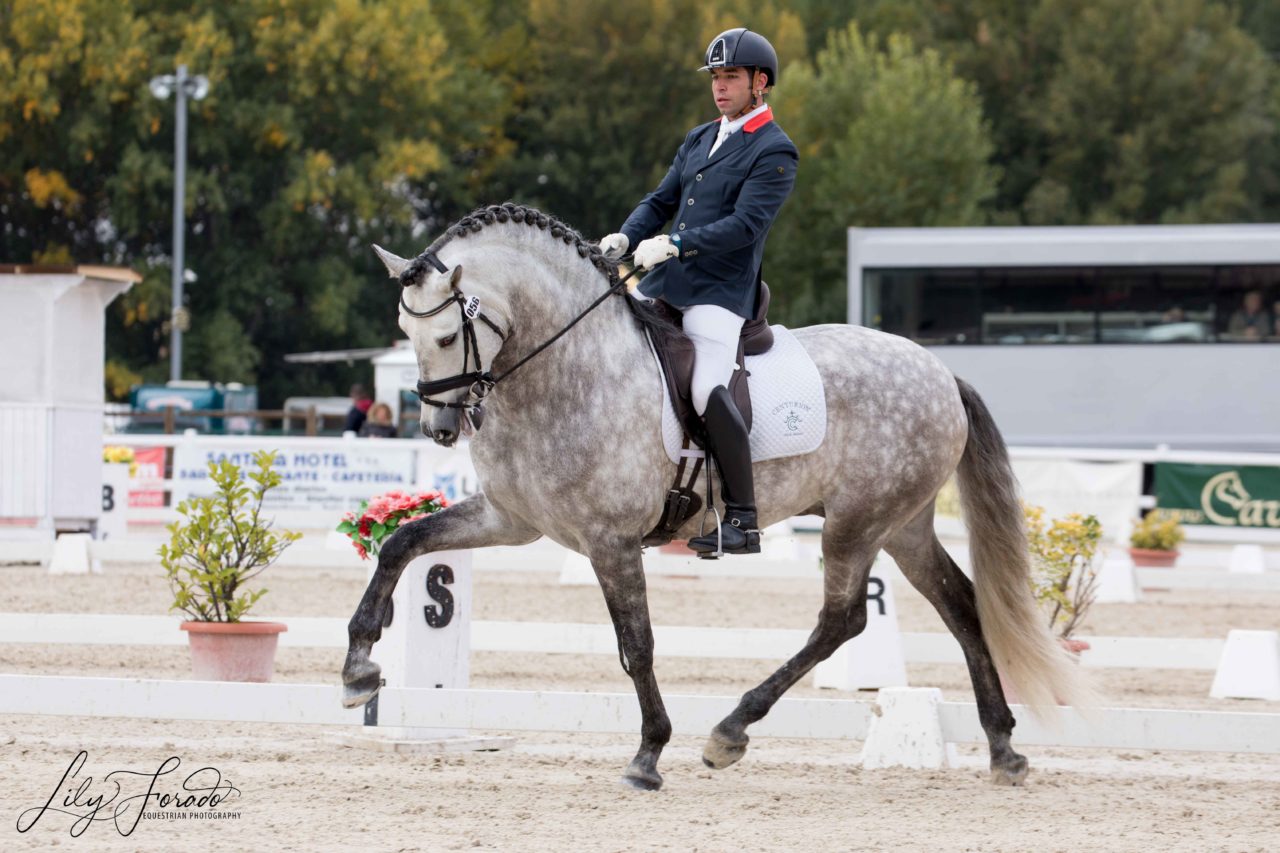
(720, 752)
(642, 776)
(642, 782)
(361, 684)
(1012, 772)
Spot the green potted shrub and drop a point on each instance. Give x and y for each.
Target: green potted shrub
(1063, 578)
(220, 543)
(1155, 540)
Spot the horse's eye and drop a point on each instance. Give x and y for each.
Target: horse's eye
(447, 342)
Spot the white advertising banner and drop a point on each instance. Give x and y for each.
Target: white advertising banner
(321, 479)
(1109, 490)
(448, 470)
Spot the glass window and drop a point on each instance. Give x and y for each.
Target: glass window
(1154, 305)
(1248, 304)
(928, 306)
(1038, 305)
(1064, 305)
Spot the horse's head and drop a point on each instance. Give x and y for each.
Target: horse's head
(436, 316)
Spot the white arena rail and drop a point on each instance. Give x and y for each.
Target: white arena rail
(614, 713)
(592, 639)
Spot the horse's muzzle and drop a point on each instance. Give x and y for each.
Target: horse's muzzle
(444, 427)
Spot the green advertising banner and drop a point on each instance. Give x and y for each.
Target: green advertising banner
(1222, 495)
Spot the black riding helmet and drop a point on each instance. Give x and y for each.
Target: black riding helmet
(741, 48)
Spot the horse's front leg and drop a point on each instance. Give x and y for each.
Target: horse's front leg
(473, 523)
(621, 575)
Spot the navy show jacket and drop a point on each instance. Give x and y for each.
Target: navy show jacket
(721, 207)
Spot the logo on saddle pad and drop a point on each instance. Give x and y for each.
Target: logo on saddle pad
(792, 414)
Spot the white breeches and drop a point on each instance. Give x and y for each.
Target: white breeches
(714, 332)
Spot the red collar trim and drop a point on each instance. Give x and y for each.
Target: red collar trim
(759, 121)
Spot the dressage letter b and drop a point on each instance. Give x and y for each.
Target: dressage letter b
(439, 575)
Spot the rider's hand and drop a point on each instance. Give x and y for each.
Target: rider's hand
(654, 251)
(615, 246)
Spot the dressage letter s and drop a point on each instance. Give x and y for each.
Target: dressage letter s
(439, 575)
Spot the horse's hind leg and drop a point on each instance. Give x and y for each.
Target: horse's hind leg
(847, 562)
(931, 570)
(473, 523)
(621, 575)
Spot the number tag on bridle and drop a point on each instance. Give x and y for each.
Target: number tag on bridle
(472, 307)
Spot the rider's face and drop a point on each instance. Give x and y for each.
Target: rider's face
(731, 89)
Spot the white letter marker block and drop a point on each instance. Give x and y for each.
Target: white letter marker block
(70, 555)
(1248, 560)
(112, 524)
(1249, 667)
(906, 731)
(428, 643)
(1117, 581)
(874, 658)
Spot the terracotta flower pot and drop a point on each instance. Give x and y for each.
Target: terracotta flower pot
(676, 546)
(1150, 558)
(233, 651)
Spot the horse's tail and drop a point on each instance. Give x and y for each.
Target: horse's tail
(1025, 652)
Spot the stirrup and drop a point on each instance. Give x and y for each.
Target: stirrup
(702, 531)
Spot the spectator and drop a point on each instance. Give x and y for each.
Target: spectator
(378, 424)
(360, 403)
(1252, 321)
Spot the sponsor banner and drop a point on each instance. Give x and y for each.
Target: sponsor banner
(447, 470)
(1108, 490)
(1219, 495)
(322, 479)
(150, 462)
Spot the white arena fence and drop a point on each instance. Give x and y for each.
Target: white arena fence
(593, 639)
(782, 560)
(613, 713)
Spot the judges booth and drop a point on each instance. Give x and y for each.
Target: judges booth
(51, 395)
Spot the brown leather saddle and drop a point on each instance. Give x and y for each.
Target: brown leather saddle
(676, 355)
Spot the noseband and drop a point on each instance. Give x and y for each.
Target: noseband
(480, 381)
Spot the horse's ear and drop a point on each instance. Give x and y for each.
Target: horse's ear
(455, 277)
(394, 263)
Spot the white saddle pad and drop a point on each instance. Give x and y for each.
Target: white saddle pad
(788, 404)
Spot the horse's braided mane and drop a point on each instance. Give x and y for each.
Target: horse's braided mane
(474, 222)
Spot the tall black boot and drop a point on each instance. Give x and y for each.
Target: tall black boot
(730, 445)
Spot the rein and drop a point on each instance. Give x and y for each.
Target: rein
(482, 381)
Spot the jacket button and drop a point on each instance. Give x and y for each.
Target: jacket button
(690, 201)
(698, 178)
(681, 226)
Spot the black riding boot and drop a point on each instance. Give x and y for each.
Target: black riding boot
(730, 445)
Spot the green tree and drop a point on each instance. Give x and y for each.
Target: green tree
(1110, 110)
(329, 124)
(888, 136)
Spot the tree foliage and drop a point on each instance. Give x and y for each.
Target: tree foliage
(331, 124)
(888, 136)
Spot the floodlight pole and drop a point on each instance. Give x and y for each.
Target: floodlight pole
(179, 221)
(182, 86)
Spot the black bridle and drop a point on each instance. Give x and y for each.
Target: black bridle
(480, 381)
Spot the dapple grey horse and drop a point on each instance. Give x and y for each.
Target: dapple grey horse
(570, 448)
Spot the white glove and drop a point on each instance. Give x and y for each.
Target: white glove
(654, 251)
(615, 246)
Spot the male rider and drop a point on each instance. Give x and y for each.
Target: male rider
(721, 195)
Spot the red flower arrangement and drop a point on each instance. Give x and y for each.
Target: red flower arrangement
(379, 517)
